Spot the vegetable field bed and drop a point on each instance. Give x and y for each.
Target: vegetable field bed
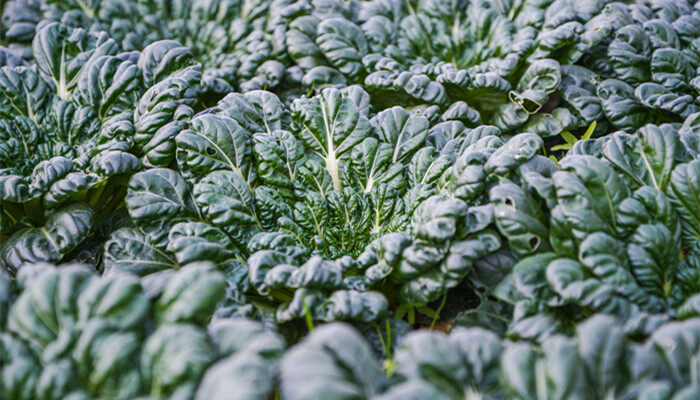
(349, 199)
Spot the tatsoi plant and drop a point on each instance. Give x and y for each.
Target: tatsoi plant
(350, 199)
(72, 334)
(322, 177)
(509, 65)
(242, 173)
(240, 44)
(72, 127)
(604, 359)
(646, 63)
(613, 233)
(476, 62)
(321, 216)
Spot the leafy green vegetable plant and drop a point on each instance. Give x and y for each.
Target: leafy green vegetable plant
(499, 199)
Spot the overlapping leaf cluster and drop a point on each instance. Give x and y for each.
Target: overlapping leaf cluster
(240, 44)
(72, 334)
(299, 162)
(603, 360)
(73, 127)
(614, 232)
(478, 62)
(316, 216)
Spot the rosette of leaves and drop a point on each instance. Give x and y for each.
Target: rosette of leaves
(328, 185)
(59, 166)
(333, 180)
(602, 360)
(71, 130)
(644, 63)
(240, 44)
(451, 232)
(471, 62)
(327, 43)
(476, 62)
(635, 63)
(274, 215)
(71, 334)
(613, 233)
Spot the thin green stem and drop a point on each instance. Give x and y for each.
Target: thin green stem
(437, 313)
